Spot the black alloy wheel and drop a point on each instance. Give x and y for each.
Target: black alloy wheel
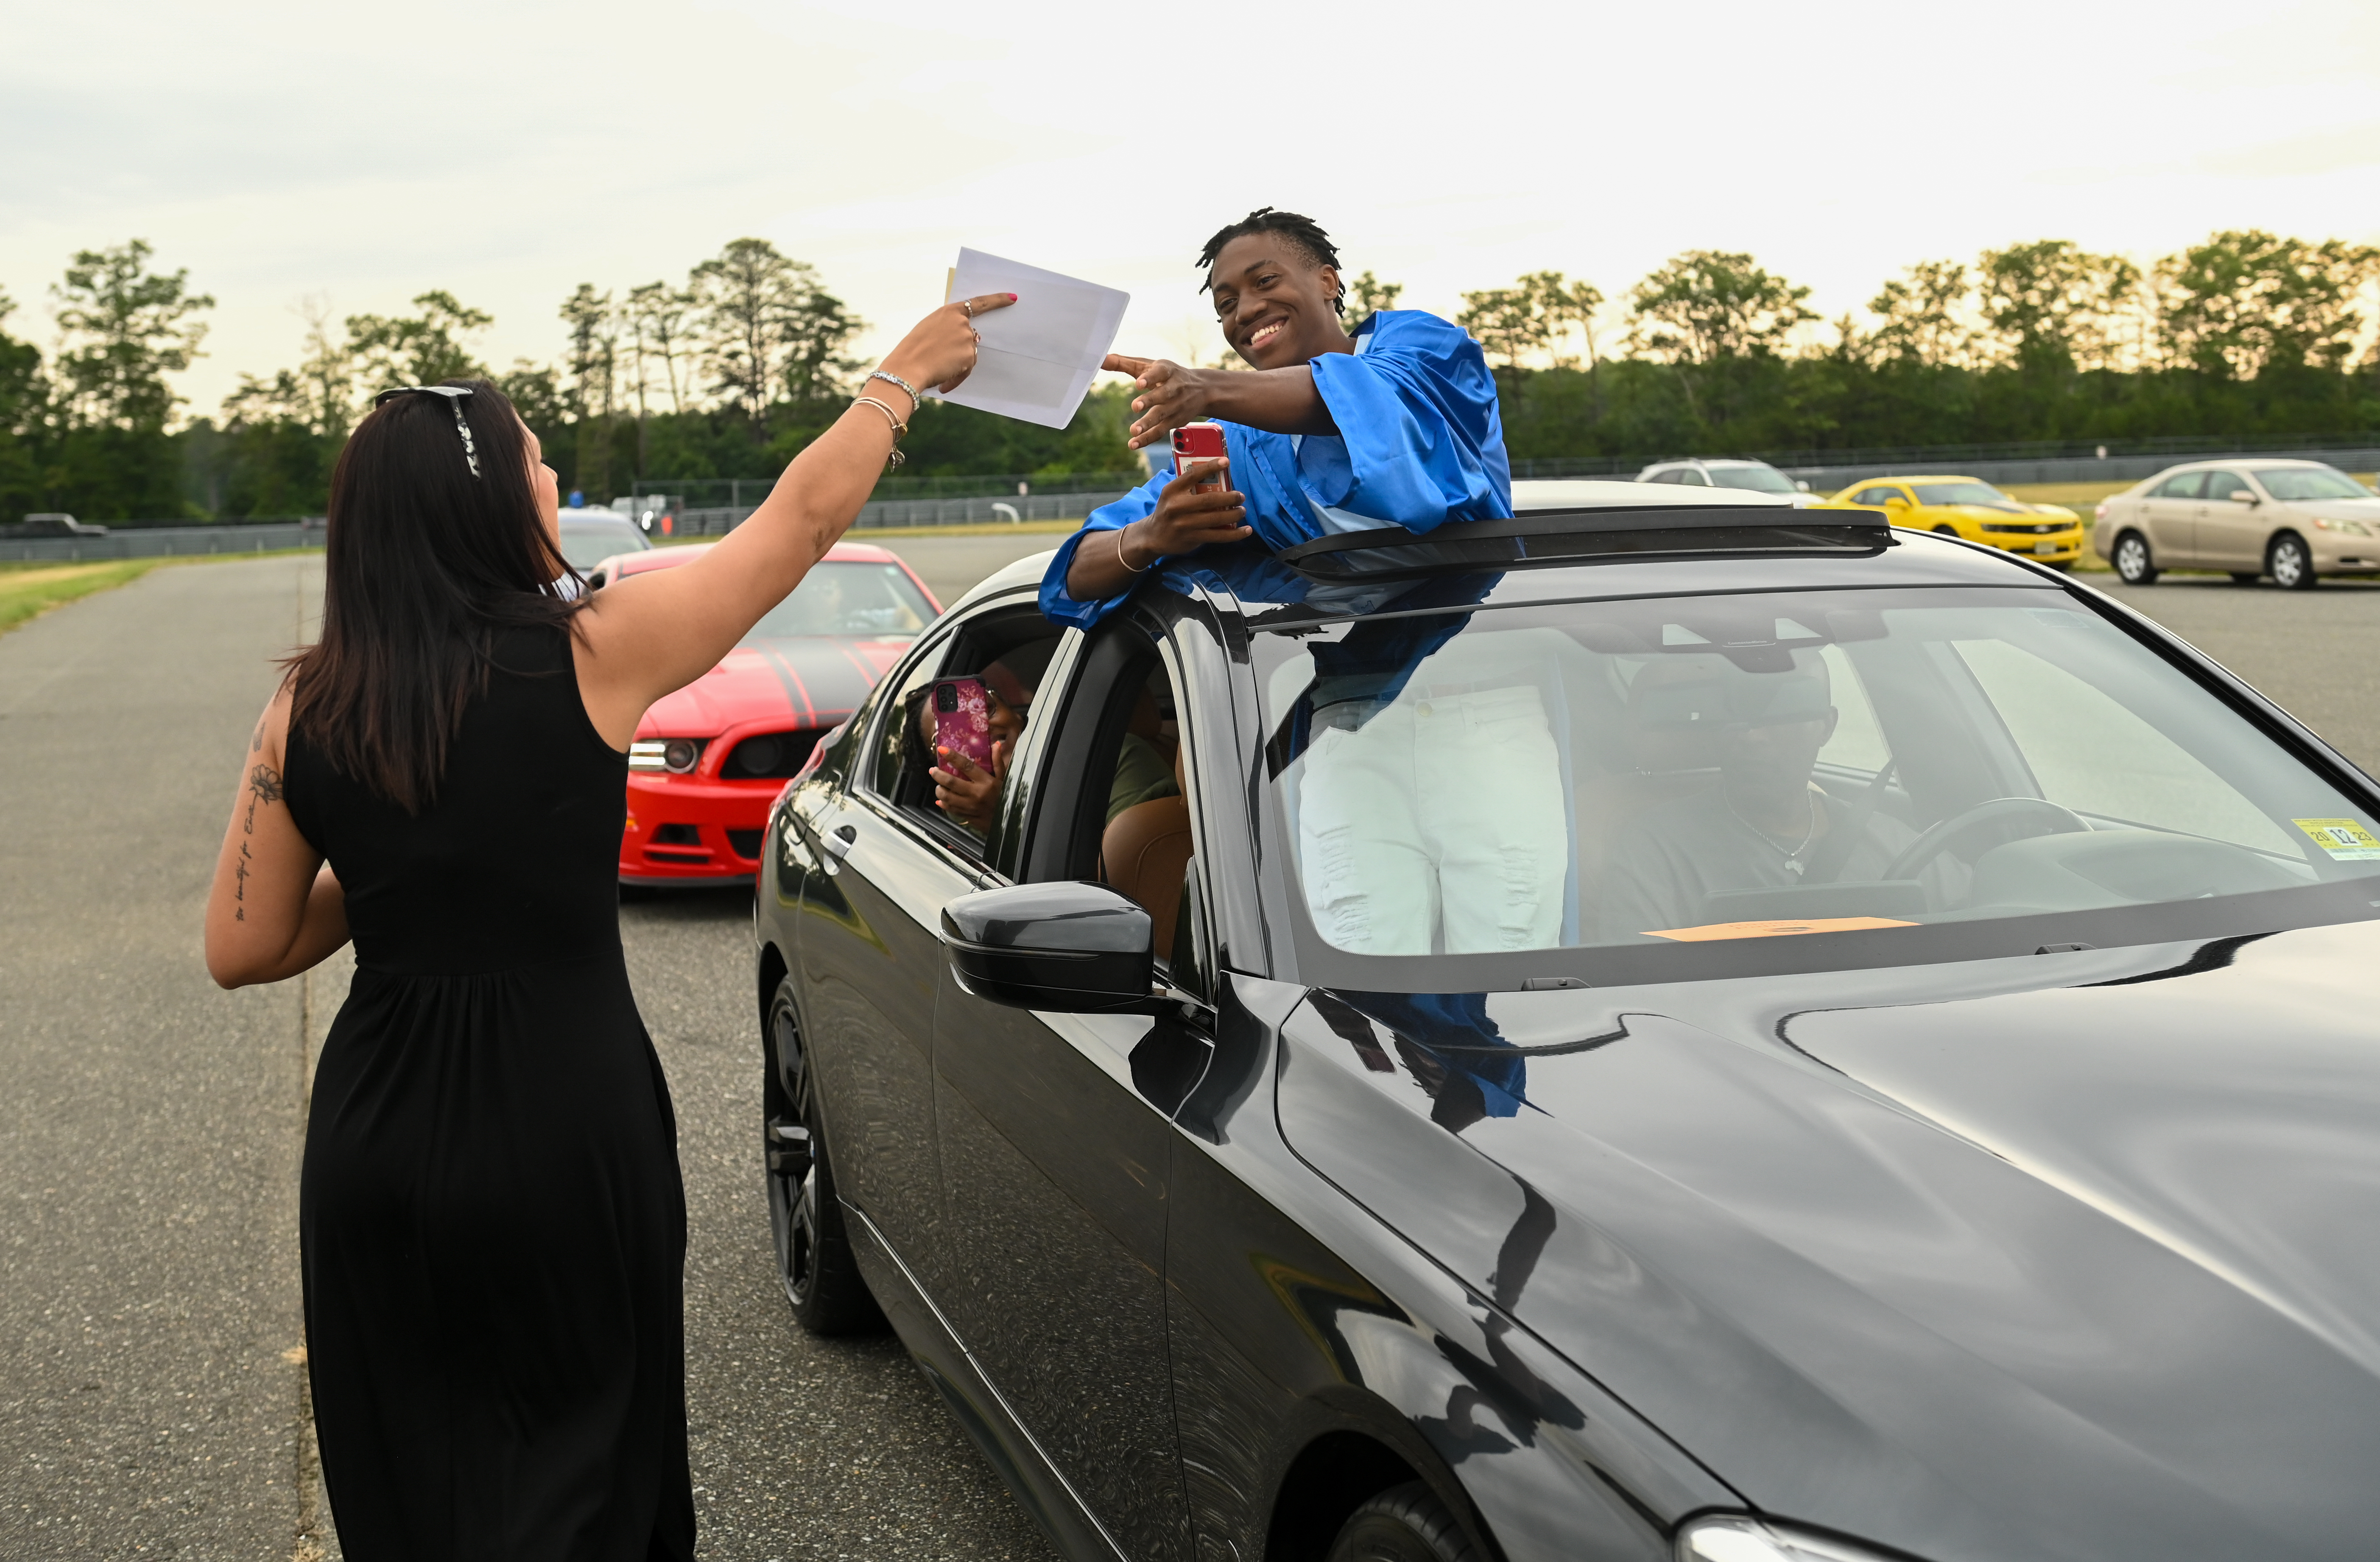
(814, 1258)
(2290, 562)
(2133, 565)
(1404, 1523)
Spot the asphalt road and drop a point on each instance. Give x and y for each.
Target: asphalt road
(152, 1385)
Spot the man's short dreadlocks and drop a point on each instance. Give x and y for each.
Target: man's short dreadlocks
(1303, 232)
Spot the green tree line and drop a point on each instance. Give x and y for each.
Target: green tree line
(730, 371)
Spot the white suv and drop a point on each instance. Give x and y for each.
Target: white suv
(1757, 476)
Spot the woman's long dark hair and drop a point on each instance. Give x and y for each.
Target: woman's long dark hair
(425, 565)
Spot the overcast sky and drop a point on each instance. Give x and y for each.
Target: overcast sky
(507, 151)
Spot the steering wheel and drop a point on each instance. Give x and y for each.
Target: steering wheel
(1935, 841)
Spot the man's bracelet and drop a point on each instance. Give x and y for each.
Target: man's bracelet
(1127, 563)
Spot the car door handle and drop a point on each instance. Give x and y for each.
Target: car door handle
(838, 845)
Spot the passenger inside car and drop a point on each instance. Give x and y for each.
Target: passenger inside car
(1765, 823)
(970, 795)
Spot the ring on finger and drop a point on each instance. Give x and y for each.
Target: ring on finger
(968, 304)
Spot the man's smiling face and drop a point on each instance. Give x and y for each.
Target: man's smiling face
(1274, 301)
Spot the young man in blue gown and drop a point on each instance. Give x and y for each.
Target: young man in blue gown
(1395, 426)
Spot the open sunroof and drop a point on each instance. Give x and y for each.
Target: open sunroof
(1576, 537)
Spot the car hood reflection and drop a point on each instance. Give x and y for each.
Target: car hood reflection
(2104, 1223)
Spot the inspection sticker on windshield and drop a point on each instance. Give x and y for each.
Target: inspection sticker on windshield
(2346, 840)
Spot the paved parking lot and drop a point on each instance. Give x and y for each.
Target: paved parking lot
(151, 1390)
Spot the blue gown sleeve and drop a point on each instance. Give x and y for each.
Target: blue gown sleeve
(1060, 607)
(1421, 441)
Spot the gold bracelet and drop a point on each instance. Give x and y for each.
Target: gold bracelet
(891, 416)
(1127, 563)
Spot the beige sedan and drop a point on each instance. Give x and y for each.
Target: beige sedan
(2296, 521)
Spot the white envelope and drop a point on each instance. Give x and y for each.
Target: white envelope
(1041, 352)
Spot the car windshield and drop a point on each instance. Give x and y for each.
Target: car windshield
(1697, 770)
(851, 599)
(588, 543)
(1984, 494)
(1758, 478)
(2290, 484)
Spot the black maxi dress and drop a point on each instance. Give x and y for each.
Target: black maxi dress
(492, 1221)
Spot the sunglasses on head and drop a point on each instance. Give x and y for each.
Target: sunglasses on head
(455, 395)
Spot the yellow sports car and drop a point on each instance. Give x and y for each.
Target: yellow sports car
(1970, 508)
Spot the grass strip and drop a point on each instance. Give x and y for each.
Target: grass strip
(30, 588)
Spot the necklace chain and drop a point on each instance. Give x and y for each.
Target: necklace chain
(1809, 831)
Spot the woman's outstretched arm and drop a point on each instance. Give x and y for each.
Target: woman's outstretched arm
(658, 631)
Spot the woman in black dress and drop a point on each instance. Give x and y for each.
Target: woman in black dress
(492, 1224)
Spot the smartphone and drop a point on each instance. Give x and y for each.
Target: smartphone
(1194, 442)
(963, 720)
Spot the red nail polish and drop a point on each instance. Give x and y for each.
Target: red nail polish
(1011, 298)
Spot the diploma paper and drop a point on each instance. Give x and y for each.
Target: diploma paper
(1041, 352)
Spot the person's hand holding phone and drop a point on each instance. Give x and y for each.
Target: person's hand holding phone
(967, 791)
(1106, 563)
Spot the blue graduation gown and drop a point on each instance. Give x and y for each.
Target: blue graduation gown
(1420, 442)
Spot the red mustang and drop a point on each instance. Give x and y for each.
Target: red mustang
(710, 759)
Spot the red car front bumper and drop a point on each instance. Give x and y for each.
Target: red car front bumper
(694, 829)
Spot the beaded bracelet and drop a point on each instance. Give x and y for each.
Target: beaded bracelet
(916, 400)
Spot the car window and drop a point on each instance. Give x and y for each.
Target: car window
(897, 759)
(1667, 475)
(848, 598)
(1691, 478)
(2297, 484)
(1758, 478)
(588, 543)
(2223, 485)
(1877, 496)
(2184, 486)
(1983, 494)
(1134, 827)
(1694, 771)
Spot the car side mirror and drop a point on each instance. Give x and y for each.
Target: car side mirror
(1072, 947)
(1803, 484)
(1894, 501)
(2242, 496)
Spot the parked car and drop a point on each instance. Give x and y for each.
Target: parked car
(2295, 521)
(1753, 477)
(1710, 1034)
(591, 536)
(1974, 509)
(56, 523)
(708, 760)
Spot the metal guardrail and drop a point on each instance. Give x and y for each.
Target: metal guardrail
(133, 541)
(896, 514)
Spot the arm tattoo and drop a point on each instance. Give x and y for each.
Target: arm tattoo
(263, 786)
(256, 740)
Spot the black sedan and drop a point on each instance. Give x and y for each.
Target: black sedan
(1672, 1031)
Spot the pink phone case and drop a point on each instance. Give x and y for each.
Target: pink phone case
(1194, 442)
(962, 719)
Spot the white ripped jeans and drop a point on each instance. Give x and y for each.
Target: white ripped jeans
(1440, 805)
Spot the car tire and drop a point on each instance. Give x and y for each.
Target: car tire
(1945, 531)
(2290, 562)
(2135, 565)
(815, 1264)
(1406, 1523)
